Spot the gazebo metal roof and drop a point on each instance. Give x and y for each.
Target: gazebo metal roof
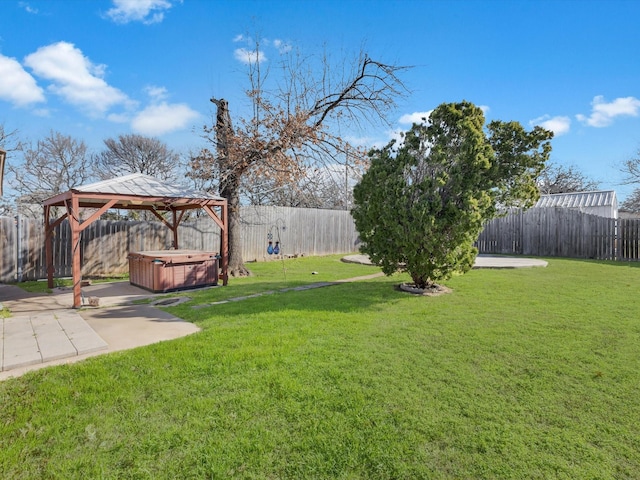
(132, 192)
(136, 191)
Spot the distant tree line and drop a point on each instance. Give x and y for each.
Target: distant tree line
(37, 170)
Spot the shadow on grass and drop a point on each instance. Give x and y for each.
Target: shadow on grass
(344, 298)
(611, 263)
(593, 261)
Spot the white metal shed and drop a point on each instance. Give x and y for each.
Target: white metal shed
(601, 203)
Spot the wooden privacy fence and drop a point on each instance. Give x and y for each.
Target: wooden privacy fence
(545, 232)
(105, 245)
(561, 232)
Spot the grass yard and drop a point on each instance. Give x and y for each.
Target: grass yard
(530, 373)
(41, 286)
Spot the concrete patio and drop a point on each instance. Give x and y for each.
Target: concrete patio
(43, 330)
(46, 336)
(482, 261)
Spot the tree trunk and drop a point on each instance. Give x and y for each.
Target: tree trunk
(229, 187)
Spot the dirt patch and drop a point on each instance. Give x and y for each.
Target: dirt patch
(432, 291)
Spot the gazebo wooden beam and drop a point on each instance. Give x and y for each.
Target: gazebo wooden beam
(172, 226)
(96, 215)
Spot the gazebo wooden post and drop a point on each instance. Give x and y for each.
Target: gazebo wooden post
(74, 222)
(174, 229)
(48, 245)
(224, 244)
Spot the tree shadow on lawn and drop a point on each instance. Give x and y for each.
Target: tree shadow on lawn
(611, 263)
(343, 297)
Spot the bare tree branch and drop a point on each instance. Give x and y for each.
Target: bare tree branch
(292, 129)
(631, 170)
(559, 179)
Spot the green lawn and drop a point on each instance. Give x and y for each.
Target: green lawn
(530, 373)
(41, 286)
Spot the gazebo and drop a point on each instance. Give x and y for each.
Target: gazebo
(131, 192)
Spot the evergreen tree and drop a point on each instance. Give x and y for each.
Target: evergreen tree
(421, 208)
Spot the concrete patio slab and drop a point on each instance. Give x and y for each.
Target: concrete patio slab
(20, 344)
(499, 261)
(53, 341)
(482, 261)
(41, 332)
(45, 337)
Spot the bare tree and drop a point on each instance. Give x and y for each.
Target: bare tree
(9, 140)
(631, 171)
(632, 202)
(53, 165)
(560, 179)
(294, 127)
(10, 143)
(329, 187)
(136, 154)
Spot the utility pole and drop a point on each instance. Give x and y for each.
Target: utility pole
(346, 180)
(3, 157)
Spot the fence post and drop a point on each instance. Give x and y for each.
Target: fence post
(19, 257)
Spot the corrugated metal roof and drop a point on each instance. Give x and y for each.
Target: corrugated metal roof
(578, 199)
(144, 185)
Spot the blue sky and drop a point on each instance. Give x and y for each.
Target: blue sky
(97, 69)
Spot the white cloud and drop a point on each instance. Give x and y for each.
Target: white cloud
(163, 118)
(75, 78)
(145, 11)
(28, 8)
(359, 141)
(558, 125)
(249, 56)
(256, 51)
(282, 46)
(16, 85)
(119, 118)
(397, 135)
(421, 117)
(155, 92)
(603, 113)
(415, 117)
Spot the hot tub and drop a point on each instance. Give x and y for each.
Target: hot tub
(168, 270)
